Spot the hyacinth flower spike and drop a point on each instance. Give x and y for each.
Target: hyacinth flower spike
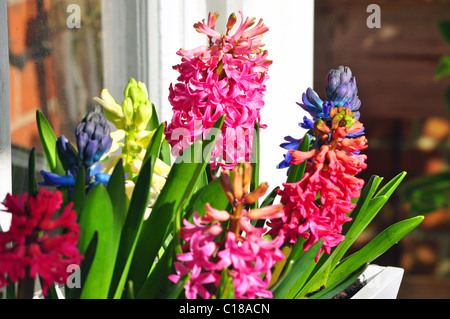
(227, 77)
(221, 240)
(34, 245)
(93, 140)
(337, 138)
(132, 138)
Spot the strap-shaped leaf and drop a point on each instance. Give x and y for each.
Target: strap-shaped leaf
(116, 191)
(85, 266)
(301, 266)
(98, 217)
(174, 196)
(368, 207)
(226, 287)
(48, 142)
(339, 286)
(132, 228)
(374, 248)
(156, 283)
(79, 191)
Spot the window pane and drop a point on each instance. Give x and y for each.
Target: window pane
(55, 66)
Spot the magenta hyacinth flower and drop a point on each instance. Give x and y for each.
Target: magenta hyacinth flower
(34, 244)
(227, 77)
(210, 247)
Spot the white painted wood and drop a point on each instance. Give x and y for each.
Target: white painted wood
(169, 27)
(5, 120)
(382, 283)
(290, 43)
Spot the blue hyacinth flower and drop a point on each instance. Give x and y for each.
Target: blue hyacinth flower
(341, 88)
(55, 180)
(291, 144)
(93, 137)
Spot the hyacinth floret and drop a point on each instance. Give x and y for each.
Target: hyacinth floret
(228, 77)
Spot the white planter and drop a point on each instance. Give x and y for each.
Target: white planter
(381, 283)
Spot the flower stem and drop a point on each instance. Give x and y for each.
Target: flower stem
(25, 288)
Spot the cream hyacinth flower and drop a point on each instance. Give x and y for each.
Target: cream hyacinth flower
(131, 139)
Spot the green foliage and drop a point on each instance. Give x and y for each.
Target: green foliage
(427, 194)
(443, 65)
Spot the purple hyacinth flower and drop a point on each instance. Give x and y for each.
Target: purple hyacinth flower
(341, 88)
(93, 137)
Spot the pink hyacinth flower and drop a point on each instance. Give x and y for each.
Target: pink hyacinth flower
(225, 78)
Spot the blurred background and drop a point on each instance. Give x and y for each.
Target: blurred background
(402, 71)
(403, 75)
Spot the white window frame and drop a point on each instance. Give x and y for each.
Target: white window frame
(5, 119)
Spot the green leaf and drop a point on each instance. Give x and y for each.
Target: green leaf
(157, 283)
(338, 286)
(271, 197)
(177, 289)
(132, 228)
(300, 267)
(255, 162)
(79, 191)
(296, 252)
(48, 142)
(98, 217)
(165, 155)
(390, 187)
(296, 171)
(154, 121)
(155, 146)
(443, 67)
(212, 194)
(226, 287)
(374, 248)
(135, 216)
(444, 28)
(85, 266)
(367, 208)
(32, 185)
(116, 191)
(176, 193)
(427, 194)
